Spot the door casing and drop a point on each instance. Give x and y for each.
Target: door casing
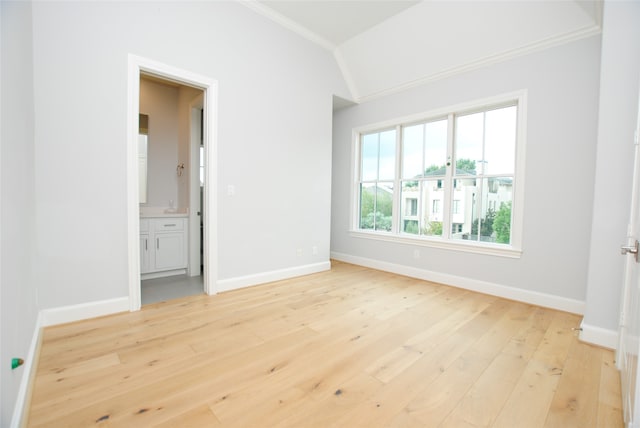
(137, 65)
(629, 331)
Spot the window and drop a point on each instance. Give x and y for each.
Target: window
(447, 178)
(378, 153)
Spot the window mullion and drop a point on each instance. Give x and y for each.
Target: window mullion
(450, 172)
(357, 179)
(377, 188)
(421, 184)
(480, 178)
(397, 200)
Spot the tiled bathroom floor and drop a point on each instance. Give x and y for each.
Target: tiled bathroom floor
(170, 287)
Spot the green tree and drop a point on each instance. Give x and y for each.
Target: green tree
(487, 224)
(411, 226)
(502, 223)
(433, 228)
(376, 205)
(467, 165)
(432, 168)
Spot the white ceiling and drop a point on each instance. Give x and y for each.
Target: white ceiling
(338, 21)
(383, 46)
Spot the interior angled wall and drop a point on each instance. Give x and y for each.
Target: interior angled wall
(617, 121)
(18, 290)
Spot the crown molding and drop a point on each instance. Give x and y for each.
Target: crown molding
(346, 74)
(540, 45)
(282, 20)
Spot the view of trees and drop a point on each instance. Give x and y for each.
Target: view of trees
(495, 224)
(502, 223)
(433, 228)
(376, 205)
(486, 229)
(466, 165)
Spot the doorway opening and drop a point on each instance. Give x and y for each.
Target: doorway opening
(190, 216)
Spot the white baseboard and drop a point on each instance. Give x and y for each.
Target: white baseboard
(30, 365)
(83, 311)
(511, 293)
(49, 317)
(165, 273)
(275, 275)
(599, 336)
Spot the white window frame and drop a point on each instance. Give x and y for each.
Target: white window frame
(514, 248)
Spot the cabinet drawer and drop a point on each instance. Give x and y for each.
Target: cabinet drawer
(144, 225)
(166, 225)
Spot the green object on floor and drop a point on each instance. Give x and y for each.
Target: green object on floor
(16, 362)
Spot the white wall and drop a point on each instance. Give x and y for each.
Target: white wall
(169, 141)
(160, 103)
(619, 86)
(274, 136)
(18, 292)
(435, 38)
(562, 85)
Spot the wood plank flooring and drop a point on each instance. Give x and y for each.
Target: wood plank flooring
(352, 347)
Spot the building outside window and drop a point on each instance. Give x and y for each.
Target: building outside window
(447, 178)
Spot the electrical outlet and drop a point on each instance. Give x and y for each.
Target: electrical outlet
(416, 254)
(299, 252)
(314, 250)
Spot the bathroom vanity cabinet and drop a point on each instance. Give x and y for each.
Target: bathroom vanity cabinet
(163, 246)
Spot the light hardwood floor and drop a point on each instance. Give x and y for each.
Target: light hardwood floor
(350, 347)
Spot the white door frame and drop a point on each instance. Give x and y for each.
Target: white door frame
(136, 65)
(629, 305)
(195, 211)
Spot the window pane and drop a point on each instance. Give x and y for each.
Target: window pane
(435, 153)
(496, 210)
(369, 157)
(478, 189)
(487, 219)
(469, 136)
(376, 204)
(367, 205)
(465, 193)
(387, 155)
(412, 151)
(432, 196)
(384, 206)
(500, 140)
(409, 208)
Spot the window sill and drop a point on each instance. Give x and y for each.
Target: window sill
(464, 246)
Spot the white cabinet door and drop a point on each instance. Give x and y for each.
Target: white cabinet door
(144, 253)
(170, 252)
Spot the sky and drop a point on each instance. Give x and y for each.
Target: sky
(486, 137)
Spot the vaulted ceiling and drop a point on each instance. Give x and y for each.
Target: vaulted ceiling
(383, 46)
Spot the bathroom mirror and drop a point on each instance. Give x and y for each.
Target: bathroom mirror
(143, 135)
